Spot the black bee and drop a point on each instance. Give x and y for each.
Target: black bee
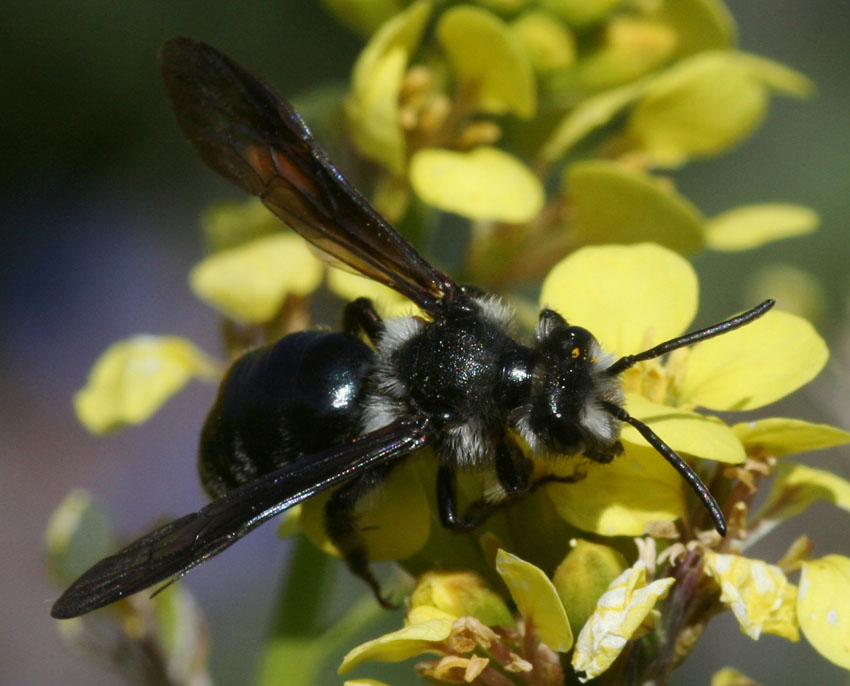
(315, 411)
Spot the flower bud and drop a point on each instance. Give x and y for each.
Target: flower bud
(583, 576)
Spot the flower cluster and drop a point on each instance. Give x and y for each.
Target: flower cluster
(549, 126)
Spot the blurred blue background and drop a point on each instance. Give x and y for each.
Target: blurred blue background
(99, 202)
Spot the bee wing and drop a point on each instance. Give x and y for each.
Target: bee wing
(174, 549)
(249, 134)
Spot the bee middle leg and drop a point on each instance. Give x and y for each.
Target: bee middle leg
(513, 470)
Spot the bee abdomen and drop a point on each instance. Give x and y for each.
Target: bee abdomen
(280, 402)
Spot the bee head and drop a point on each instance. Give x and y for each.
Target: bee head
(571, 391)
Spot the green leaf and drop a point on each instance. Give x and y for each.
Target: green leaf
(751, 226)
(615, 204)
(488, 60)
(485, 183)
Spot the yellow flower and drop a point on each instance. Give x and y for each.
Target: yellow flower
(437, 622)
(760, 596)
(823, 607)
(134, 377)
(622, 611)
(631, 298)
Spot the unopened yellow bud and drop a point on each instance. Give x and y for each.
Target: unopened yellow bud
(461, 594)
(583, 576)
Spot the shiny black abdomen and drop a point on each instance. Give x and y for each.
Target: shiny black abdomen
(280, 402)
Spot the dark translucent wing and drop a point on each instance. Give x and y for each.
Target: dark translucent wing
(246, 132)
(175, 548)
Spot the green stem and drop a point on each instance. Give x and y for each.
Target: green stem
(293, 652)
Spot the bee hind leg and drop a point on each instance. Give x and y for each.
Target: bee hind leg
(342, 528)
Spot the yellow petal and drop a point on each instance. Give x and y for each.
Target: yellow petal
(615, 204)
(549, 43)
(536, 599)
(425, 613)
(583, 576)
(797, 486)
(622, 498)
(684, 431)
(504, 81)
(78, 533)
(704, 105)
(250, 282)
(823, 607)
(780, 437)
(365, 16)
(364, 682)
(775, 76)
(729, 676)
(581, 12)
(751, 226)
(388, 302)
(399, 645)
(134, 377)
(629, 297)
(754, 365)
(229, 224)
(699, 24)
(372, 109)
(632, 46)
(394, 521)
(588, 115)
(620, 612)
(759, 595)
(485, 183)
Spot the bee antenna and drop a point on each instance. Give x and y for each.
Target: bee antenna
(630, 361)
(684, 469)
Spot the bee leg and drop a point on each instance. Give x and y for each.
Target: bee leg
(343, 531)
(513, 470)
(360, 316)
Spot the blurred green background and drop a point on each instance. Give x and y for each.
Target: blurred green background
(99, 201)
